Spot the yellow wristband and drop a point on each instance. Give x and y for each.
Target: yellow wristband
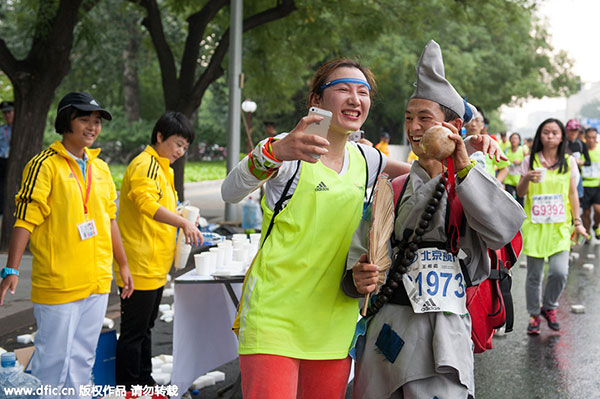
(464, 171)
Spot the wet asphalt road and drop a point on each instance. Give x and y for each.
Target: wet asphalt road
(564, 364)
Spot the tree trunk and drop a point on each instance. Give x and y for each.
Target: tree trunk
(33, 99)
(35, 80)
(131, 86)
(184, 93)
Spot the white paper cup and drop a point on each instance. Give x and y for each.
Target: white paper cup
(225, 243)
(202, 264)
(191, 213)
(227, 255)
(542, 176)
(212, 261)
(240, 254)
(220, 255)
(255, 238)
(253, 251)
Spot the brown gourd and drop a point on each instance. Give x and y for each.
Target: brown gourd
(436, 143)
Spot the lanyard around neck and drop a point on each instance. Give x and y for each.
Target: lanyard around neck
(89, 185)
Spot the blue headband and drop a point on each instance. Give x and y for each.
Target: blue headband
(345, 80)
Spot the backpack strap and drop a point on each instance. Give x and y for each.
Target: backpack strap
(505, 282)
(399, 187)
(367, 170)
(508, 257)
(279, 204)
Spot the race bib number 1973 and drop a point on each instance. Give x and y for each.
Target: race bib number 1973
(435, 283)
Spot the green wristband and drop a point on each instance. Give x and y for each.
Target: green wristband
(464, 171)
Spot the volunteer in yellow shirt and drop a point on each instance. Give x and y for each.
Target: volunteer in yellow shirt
(148, 222)
(384, 143)
(66, 210)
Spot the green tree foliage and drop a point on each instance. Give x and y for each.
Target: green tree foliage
(6, 89)
(496, 52)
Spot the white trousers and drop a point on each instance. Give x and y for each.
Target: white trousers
(66, 341)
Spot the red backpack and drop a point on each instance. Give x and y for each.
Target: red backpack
(490, 302)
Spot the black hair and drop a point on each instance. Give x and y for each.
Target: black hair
(517, 134)
(589, 129)
(482, 113)
(449, 115)
(173, 123)
(561, 162)
(62, 124)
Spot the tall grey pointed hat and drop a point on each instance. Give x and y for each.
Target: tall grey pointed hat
(432, 84)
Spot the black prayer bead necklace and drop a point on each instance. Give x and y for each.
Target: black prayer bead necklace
(406, 253)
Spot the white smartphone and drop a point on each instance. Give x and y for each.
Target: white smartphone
(320, 128)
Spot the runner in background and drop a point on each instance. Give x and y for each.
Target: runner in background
(515, 153)
(591, 183)
(497, 169)
(529, 144)
(577, 147)
(504, 142)
(549, 179)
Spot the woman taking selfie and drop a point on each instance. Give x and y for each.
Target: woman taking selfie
(294, 322)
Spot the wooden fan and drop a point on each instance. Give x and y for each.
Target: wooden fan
(380, 230)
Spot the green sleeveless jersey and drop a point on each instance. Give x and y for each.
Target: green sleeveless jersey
(548, 200)
(292, 302)
(514, 174)
(591, 173)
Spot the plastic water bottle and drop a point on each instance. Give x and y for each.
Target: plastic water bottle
(12, 376)
(251, 214)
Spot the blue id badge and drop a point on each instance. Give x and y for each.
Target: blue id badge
(389, 343)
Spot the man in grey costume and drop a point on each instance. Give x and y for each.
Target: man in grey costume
(413, 350)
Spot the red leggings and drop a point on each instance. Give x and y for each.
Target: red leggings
(279, 377)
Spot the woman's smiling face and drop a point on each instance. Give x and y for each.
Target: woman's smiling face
(84, 130)
(348, 102)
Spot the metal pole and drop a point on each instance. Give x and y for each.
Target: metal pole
(235, 96)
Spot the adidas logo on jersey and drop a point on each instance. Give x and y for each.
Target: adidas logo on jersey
(321, 187)
(429, 306)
